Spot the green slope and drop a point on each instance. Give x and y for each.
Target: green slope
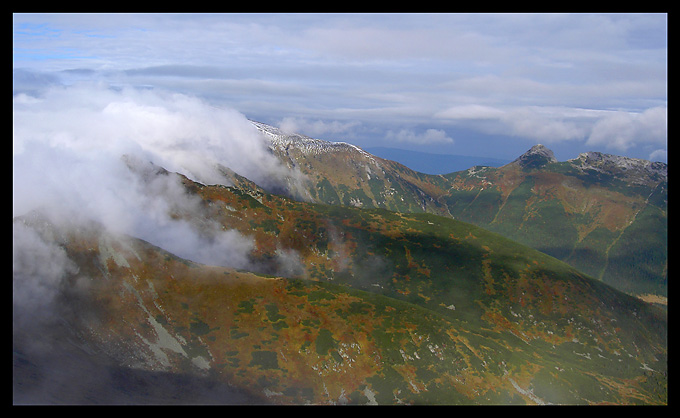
(596, 212)
(485, 282)
(607, 228)
(381, 307)
(295, 341)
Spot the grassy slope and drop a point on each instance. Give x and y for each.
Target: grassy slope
(604, 228)
(386, 308)
(463, 273)
(587, 218)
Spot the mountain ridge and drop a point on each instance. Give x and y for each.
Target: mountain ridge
(639, 171)
(577, 210)
(281, 140)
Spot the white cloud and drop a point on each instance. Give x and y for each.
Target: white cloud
(623, 130)
(179, 132)
(530, 123)
(38, 268)
(616, 130)
(315, 128)
(546, 124)
(68, 148)
(658, 155)
(374, 68)
(470, 112)
(430, 136)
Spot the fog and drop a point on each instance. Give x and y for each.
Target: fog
(87, 154)
(71, 152)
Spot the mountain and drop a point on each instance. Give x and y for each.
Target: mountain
(603, 214)
(428, 163)
(347, 282)
(339, 305)
(537, 157)
(341, 173)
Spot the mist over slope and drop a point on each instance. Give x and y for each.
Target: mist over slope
(72, 148)
(145, 231)
(380, 308)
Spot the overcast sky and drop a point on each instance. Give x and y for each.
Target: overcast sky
(480, 84)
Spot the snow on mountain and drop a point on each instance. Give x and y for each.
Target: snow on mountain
(282, 142)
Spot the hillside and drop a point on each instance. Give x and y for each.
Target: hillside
(338, 173)
(603, 214)
(348, 305)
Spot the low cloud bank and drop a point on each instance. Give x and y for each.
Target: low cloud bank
(87, 155)
(615, 130)
(68, 155)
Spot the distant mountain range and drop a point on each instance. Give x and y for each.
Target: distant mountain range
(366, 283)
(603, 214)
(430, 163)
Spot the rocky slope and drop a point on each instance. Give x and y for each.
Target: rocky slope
(536, 157)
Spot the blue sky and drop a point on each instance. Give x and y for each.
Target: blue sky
(470, 84)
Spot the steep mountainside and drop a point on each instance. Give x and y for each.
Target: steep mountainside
(341, 173)
(603, 214)
(349, 305)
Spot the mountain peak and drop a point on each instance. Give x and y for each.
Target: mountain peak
(540, 149)
(282, 142)
(536, 157)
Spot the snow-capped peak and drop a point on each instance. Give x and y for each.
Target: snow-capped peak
(281, 141)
